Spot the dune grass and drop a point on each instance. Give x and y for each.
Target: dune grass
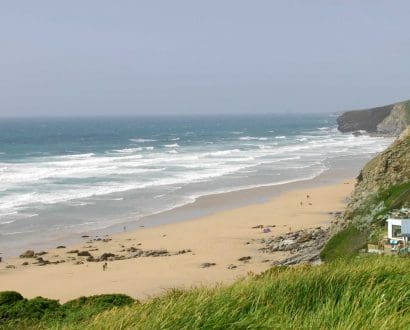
(365, 292)
(17, 312)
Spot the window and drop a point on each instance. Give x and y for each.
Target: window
(396, 230)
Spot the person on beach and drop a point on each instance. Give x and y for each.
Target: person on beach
(105, 265)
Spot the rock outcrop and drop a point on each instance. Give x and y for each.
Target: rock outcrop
(389, 168)
(391, 119)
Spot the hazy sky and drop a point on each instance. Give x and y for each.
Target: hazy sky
(147, 57)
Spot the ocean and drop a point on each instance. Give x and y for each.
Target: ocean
(67, 176)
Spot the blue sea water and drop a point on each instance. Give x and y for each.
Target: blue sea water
(74, 175)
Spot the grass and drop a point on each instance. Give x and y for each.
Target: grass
(396, 196)
(344, 244)
(20, 312)
(365, 292)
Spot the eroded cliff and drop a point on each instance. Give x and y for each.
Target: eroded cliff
(391, 119)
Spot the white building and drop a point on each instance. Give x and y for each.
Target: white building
(397, 228)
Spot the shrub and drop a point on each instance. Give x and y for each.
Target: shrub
(9, 297)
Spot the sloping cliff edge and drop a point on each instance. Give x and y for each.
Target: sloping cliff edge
(382, 186)
(390, 119)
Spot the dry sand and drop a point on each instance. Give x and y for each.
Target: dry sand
(221, 238)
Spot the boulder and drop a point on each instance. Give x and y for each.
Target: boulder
(84, 254)
(105, 256)
(28, 254)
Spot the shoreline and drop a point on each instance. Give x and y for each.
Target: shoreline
(338, 168)
(216, 248)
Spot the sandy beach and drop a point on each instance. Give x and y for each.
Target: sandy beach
(201, 251)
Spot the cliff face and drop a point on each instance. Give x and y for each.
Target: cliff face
(390, 119)
(391, 168)
(382, 186)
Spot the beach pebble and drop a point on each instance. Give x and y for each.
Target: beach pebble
(232, 266)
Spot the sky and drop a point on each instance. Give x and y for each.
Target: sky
(102, 57)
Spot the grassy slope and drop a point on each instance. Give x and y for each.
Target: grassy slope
(349, 240)
(370, 292)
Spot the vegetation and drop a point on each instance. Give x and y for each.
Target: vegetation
(365, 292)
(344, 244)
(366, 222)
(407, 103)
(15, 310)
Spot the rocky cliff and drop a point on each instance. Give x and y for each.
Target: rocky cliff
(390, 168)
(391, 119)
(382, 186)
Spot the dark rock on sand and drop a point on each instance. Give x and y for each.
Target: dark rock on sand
(73, 251)
(156, 253)
(28, 254)
(60, 247)
(245, 259)
(84, 254)
(207, 264)
(232, 266)
(183, 251)
(105, 256)
(25, 263)
(41, 261)
(133, 249)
